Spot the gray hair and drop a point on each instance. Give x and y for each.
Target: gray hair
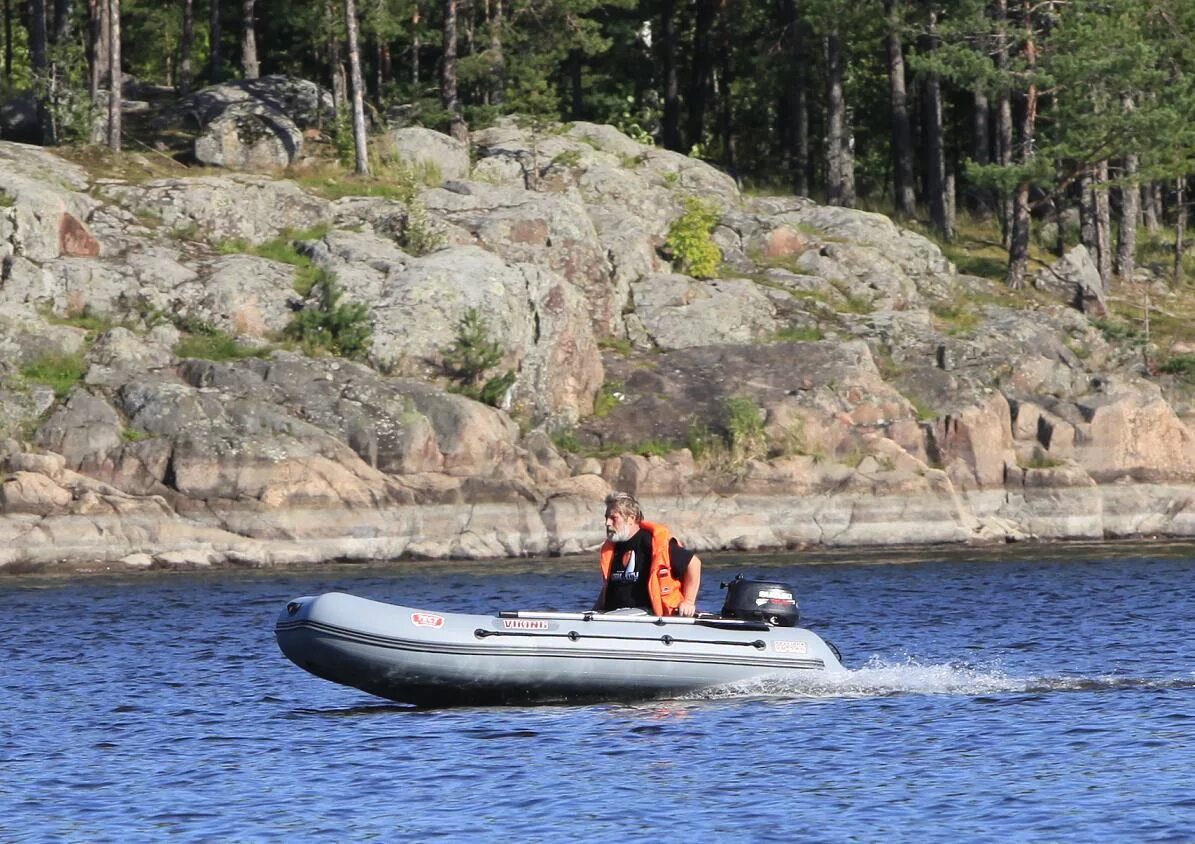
(625, 504)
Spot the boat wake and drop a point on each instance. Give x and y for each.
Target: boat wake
(881, 678)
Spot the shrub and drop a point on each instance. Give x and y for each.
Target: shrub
(472, 356)
(332, 326)
(744, 428)
(689, 239)
(1181, 366)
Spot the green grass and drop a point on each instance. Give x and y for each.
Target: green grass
(798, 334)
(217, 346)
(60, 372)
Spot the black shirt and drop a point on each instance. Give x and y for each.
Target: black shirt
(631, 566)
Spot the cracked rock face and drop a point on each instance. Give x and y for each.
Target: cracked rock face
(839, 383)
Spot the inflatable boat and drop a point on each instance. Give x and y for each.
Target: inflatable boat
(428, 658)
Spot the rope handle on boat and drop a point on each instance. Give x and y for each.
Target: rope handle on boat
(659, 621)
(574, 636)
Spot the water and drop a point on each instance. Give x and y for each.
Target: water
(1012, 698)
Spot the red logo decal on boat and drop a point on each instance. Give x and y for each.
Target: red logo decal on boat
(427, 619)
(524, 624)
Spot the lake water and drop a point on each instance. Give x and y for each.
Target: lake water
(1026, 695)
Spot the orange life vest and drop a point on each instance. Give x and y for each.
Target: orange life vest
(663, 589)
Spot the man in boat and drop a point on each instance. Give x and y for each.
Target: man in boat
(643, 566)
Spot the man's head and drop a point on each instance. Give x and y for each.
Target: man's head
(623, 515)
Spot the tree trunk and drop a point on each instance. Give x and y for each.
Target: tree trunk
(39, 62)
(1103, 225)
(1018, 250)
(670, 121)
(416, 45)
(1130, 209)
(726, 127)
(980, 200)
(358, 87)
(576, 65)
(798, 99)
(249, 64)
(215, 69)
(702, 65)
(186, 73)
(115, 78)
(8, 42)
(840, 165)
(934, 146)
(1151, 206)
(63, 14)
(903, 190)
(1087, 212)
(97, 51)
(448, 93)
(1003, 118)
(1180, 227)
(340, 97)
(498, 59)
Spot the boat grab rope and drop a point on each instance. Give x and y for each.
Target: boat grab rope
(574, 636)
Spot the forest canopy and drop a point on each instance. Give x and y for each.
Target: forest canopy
(1005, 109)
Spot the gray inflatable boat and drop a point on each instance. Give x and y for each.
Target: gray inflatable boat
(429, 658)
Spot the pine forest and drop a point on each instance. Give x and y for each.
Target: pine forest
(1007, 114)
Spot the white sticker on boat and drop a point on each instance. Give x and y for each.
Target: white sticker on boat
(774, 596)
(427, 619)
(786, 646)
(525, 624)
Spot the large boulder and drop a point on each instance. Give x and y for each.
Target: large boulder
(304, 103)
(432, 156)
(249, 136)
(679, 312)
(44, 212)
(417, 305)
(252, 208)
(1075, 279)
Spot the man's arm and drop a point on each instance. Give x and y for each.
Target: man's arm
(689, 585)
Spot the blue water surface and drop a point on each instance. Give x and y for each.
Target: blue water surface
(1019, 696)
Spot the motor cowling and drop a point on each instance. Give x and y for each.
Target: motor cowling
(768, 601)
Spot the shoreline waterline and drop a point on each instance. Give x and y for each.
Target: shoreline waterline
(912, 554)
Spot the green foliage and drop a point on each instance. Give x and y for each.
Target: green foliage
(93, 323)
(1118, 331)
(618, 345)
(211, 344)
(471, 357)
(568, 158)
(689, 239)
(798, 334)
(61, 372)
(332, 326)
(608, 398)
(132, 435)
(343, 140)
(955, 316)
(744, 427)
(1181, 366)
(7, 200)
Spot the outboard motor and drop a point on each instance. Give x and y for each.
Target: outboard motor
(768, 601)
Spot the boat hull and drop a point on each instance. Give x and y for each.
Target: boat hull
(444, 659)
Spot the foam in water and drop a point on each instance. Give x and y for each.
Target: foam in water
(880, 677)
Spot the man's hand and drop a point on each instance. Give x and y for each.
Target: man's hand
(687, 608)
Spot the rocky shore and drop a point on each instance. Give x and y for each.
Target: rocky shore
(837, 383)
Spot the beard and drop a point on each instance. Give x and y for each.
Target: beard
(622, 534)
